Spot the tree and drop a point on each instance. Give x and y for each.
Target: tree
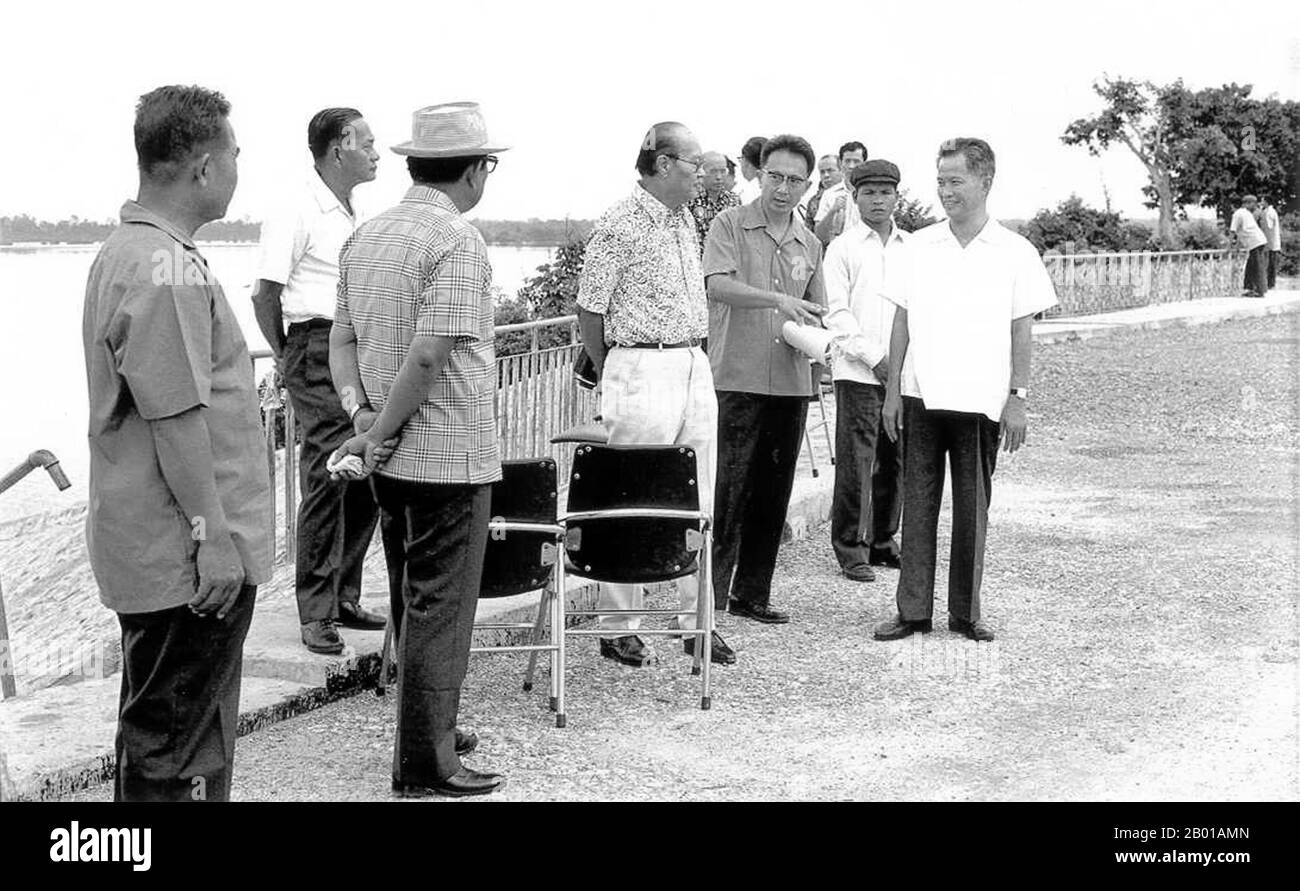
(911, 214)
(1139, 116)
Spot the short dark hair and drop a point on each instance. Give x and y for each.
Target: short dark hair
(660, 139)
(978, 154)
(435, 171)
(326, 126)
(171, 122)
(851, 147)
(789, 143)
(753, 150)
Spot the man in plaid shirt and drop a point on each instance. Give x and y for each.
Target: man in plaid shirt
(412, 338)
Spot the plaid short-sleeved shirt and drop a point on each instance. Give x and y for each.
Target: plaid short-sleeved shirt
(420, 269)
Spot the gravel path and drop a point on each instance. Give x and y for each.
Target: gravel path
(1141, 575)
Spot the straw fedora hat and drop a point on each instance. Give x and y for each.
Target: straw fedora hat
(449, 130)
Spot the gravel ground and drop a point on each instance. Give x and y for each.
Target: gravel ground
(1141, 576)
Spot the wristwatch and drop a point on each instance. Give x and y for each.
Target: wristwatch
(352, 413)
(1021, 392)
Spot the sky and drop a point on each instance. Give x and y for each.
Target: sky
(573, 86)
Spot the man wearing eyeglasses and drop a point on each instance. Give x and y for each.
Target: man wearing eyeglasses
(643, 313)
(835, 214)
(714, 198)
(412, 337)
(762, 267)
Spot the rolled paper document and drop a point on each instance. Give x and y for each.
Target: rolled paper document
(812, 341)
(348, 467)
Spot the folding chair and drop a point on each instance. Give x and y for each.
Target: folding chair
(818, 396)
(633, 518)
(523, 554)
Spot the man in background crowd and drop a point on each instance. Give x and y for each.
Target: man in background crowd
(751, 159)
(180, 497)
(1272, 227)
(298, 277)
(828, 173)
(762, 267)
(1249, 237)
(714, 196)
(834, 211)
(643, 313)
(867, 502)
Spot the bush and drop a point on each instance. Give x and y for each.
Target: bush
(911, 214)
(551, 293)
(1200, 235)
(1290, 264)
(1085, 228)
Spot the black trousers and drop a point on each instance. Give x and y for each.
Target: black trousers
(336, 520)
(445, 535)
(1257, 263)
(759, 438)
(868, 476)
(179, 705)
(969, 443)
(1274, 261)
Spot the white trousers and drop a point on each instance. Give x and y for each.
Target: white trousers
(659, 397)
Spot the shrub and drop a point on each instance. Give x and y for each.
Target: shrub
(1200, 235)
(1290, 264)
(1075, 223)
(911, 214)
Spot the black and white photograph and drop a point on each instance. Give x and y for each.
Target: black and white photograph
(574, 402)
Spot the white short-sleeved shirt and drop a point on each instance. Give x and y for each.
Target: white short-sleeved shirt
(960, 303)
(1274, 229)
(1249, 235)
(854, 272)
(749, 189)
(300, 247)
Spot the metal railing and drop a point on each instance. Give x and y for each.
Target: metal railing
(535, 400)
(1095, 283)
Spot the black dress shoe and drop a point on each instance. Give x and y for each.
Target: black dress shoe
(628, 649)
(976, 630)
(462, 782)
(859, 573)
(887, 559)
(465, 742)
(759, 612)
(898, 628)
(322, 637)
(719, 652)
(354, 615)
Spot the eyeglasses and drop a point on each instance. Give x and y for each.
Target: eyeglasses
(695, 164)
(780, 179)
(490, 162)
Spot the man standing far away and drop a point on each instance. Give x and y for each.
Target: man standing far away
(828, 173)
(966, 290)
(413, 337)
(178, 520)
(835, 211)
(1272, 228)
(1248, 236)
(751, 159)
(298, 277)
(762, 267)
(714, 198)
(642, 311)
(867, 503)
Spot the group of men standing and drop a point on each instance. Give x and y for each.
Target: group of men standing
(1256, 229)
(383, 331)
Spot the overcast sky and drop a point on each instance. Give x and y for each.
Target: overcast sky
(573, 86)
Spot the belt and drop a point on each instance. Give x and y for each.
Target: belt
(685, 344)
(312, 324)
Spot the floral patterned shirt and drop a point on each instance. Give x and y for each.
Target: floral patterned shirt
(704, 209)
(642, 273)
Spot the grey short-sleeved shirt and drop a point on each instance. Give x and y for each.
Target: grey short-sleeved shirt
(746, 349)
(160, 339)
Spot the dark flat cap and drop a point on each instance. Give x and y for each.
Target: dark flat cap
(877, 170)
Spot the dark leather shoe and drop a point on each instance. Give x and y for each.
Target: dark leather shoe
(719, 652)
(898, 628)
(463, 782)
(887, 559)
(465, 742)
(628, 649)
(976, 630)
(354, 615)
(757, 612)
(859, 573)
(322, 637)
